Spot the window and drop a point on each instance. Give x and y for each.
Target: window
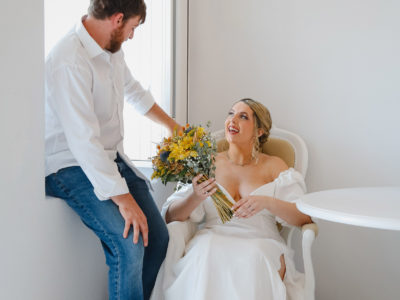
(148, 55)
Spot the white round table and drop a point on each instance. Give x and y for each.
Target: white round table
(376, 207)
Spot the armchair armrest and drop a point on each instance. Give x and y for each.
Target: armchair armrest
(180, 233)
(309, 232)
(312, 226)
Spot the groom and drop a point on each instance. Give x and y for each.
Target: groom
(86, 83)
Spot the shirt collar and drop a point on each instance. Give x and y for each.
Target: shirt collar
(87, 41)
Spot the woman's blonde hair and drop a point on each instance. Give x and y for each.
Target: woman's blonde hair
(262, 120)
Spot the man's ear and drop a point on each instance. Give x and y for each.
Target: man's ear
(117, 20)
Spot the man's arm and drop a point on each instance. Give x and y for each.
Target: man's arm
(144, 102)
(158, 115)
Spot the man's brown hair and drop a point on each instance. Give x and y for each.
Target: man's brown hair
(102, 9)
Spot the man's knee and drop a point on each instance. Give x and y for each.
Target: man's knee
(130, 253)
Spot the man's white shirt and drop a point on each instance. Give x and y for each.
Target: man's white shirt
(85, 90)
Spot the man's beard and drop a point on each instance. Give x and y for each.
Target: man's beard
(116, 40)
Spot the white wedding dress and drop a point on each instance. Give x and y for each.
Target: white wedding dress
(236, 260)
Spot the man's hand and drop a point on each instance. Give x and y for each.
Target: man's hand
(175, 128)
(132, 215)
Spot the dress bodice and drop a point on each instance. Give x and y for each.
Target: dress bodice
(263, 224)
(288, 186)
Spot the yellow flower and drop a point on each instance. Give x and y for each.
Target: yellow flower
(200, 131)
(193, 154)
(177, 152)
(187, 142)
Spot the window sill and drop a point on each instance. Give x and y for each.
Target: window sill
(142, 164)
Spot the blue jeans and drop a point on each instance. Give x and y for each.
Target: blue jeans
(132, 268)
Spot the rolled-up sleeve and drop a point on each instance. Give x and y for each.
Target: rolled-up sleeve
(141, 99)
(69, 91)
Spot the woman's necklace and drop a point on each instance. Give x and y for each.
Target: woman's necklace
(237, 164)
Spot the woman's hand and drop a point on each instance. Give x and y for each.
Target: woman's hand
(250, 205)
(205, 189)
(181, 209)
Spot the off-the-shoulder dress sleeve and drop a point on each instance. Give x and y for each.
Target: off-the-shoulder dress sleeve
(197, 214)
(289, 186)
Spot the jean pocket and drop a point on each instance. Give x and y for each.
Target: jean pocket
(54, 187)
(66, 180)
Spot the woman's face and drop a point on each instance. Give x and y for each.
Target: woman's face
(239, 125)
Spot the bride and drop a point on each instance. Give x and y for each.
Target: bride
(245, 258)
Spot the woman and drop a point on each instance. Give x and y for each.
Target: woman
(245, 258)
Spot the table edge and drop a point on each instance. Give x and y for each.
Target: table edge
(349, 219)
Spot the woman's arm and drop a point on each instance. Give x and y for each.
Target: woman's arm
(250, 205)
(181, 209)
(287, 211)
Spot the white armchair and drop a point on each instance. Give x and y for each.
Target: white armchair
(292, 149)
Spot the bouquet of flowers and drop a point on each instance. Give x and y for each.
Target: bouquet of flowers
(184, 155)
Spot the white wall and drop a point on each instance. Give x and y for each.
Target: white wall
(38, 260)
(330, 71)
(21, 125)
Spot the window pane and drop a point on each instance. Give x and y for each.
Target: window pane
(60, 16)
(148, 56)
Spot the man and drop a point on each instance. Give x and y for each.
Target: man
(86, 83)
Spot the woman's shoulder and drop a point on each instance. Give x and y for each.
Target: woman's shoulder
(273, 165)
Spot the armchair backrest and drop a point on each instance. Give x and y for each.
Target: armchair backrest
(282, 143)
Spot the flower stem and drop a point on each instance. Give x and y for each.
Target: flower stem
(221, 203)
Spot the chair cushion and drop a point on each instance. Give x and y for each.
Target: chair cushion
(274, 146)
(280, 148)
